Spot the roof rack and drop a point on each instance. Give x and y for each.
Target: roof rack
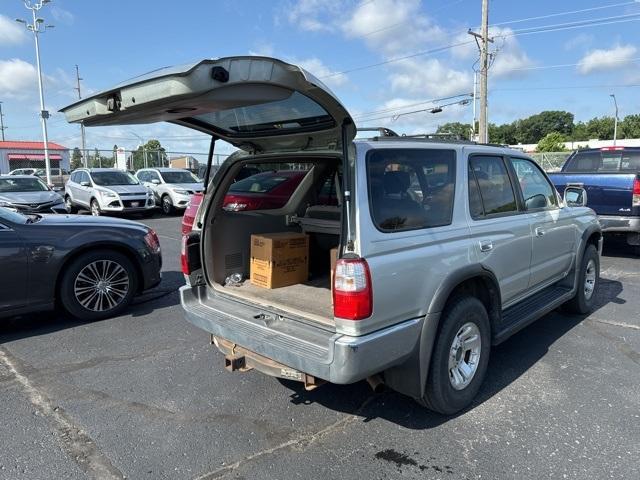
(382, 131)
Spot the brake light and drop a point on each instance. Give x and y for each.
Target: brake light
(611, 149)
(190, 253)
(636, 193)
(152, 241)
(239, 204)
(352, 292)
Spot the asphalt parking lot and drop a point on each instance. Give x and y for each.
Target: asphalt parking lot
(145, 396)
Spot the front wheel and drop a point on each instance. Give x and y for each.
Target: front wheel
(69, 205)
(460, 356)
(98, 285)
(588, 283)
(167, 205)
(95, 208)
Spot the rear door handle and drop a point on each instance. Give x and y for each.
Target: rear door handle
(486, 245)
(540, 232)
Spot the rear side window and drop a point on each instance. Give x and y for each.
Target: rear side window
(606, 161)
(411, 188)
(494, 185)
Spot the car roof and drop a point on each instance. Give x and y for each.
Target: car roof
(428, 143)
(94, 170)
(607, 149)
(163, 169)
(20, 176)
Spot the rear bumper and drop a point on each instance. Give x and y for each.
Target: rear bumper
(301, 346)
(614, 223)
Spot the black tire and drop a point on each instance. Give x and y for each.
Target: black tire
(94, 208)
(167, 205)
(582, 302)
(69, 205)
(71, 301)
(440, 394)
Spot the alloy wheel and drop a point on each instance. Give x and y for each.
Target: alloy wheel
(101, 285)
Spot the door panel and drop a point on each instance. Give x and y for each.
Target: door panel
(13, 261)
(554, 237)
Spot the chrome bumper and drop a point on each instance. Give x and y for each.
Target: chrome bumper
(301, 346)
(614, 223)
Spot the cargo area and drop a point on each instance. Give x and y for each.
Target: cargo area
(297, 202)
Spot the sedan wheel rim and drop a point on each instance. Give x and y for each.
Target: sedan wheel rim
(464, 355)
(590, 280)
(166, 205)
(67, 203)
(101, 285)
(95, 210)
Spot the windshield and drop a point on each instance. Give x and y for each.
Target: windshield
(41, 172)
(107, 179)
(179, 177)
(12, 216)
(22, 185)
(296, 112)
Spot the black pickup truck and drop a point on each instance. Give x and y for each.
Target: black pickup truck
(611, 178)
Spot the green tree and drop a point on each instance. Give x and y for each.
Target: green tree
(151, 154)
(461, 130)
(600, 128)
(536, 127)
(76, 159)
(552, 142)
(629, 127)
(504, 134)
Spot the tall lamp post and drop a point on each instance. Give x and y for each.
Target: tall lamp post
(615, 125)
(37, 27)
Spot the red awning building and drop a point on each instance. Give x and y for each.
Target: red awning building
(23, 154)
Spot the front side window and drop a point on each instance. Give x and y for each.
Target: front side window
(536, 189)
(411, 188)
(494, 185)
(143, 176)
(107, 179)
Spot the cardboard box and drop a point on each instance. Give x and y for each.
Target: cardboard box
(333, 258)
(279, 259)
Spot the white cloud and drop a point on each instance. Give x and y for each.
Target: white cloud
(429, 77)
(510, 58)
(603, 59)
(11, 32)
(63, 16)
(319, 69)
(262, 50)
(17, 78)
(314, 15)
(581, 40)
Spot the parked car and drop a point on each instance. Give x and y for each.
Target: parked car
(23, 171)
(89, 266)
(59, 177)
(611, 178)
(107, 190)
(426, 280)
(172, 187)
(266, 190)
(29, 194)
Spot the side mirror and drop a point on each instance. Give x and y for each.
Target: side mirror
(575, 197)
(85, 184)
(155, 181)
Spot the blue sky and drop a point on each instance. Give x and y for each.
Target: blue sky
(114, 40)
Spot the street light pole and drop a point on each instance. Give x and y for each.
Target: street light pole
(615, 125)
(35, 27)
(2, 127)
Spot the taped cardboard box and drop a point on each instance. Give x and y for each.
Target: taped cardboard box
(279, 259)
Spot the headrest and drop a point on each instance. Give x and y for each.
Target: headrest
(396, 182)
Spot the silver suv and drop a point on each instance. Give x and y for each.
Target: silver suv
(107, 190)
(172, 187)
(443, 248)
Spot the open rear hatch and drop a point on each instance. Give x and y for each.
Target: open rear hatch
(260, 105)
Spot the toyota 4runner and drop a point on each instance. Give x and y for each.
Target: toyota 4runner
(444, 248)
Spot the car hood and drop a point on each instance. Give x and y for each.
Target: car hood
(89, 221)
(138, 189)
(29, 197)
(186, 186)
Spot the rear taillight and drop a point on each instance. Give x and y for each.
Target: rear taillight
(352, 292)
(152, 241)
(611, 149)
(240, 205)
(190, 253)
(636, 192)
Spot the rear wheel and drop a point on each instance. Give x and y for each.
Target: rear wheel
(69, 205)
(98, 285)
(167, 205)
(95, 208)
(460, 356)
(588, 283)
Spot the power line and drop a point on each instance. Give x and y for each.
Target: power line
(563, 65)
(560, 14)
(567, 87)
(570, 25)
(391, 109)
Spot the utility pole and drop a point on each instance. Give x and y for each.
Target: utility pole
(2, 127)
(484, 40)
(615, 125)
(84, 148)
(37, 27)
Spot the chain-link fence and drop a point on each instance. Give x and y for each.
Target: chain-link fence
(62, 163)
(551, 161)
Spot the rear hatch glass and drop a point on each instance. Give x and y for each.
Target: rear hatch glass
(608, 161)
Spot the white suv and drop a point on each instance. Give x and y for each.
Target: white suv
(172, 187)
(107, 190)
